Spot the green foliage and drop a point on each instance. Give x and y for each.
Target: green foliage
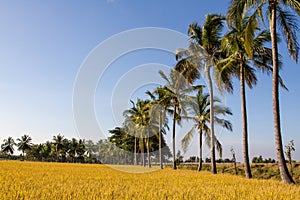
(290, 147)
(8, 146)
(261, 160)
(24, 143)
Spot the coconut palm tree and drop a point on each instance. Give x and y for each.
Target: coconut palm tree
(117, 136)
(280, 12)
(147, 124)
(241, 62)
(8, 146)
(158, 108)
(76, 149)
(199, 113)
(203, 54)
(175, 91)
(130, 127)
(90, 149)
(80, 150)
(73, 146)
(102, 151)
(24, 143)
(123, 140)
(58, 144)
(139, 115)
(46, 151)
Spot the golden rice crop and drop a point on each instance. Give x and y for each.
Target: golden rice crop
(33, 180)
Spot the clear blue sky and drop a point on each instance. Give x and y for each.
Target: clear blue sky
(44, 43)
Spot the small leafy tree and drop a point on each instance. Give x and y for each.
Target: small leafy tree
(289, 148)
(179, 157)
(233, 159)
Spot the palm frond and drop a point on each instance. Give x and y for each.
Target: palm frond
(219, 147)
(289, 27)
(163, 75)
(150, 94)
(249, 33)
(222, 110)
(181, 53)
(235, 11)
(293, 4)
(186, 140)
(250, 76)
(224, 123)
(195, 33)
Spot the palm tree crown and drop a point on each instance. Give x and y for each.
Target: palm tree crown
(24, 143)
(173, 94)
(199, 113)
(8, 145)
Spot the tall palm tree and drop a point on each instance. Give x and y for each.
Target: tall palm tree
(80, 150)
(242, 60)
(130, 127)
(8, 146)
(203, 54)
(46, 150)
(139, 115)
(102, 151)
(123, 140)
(24, 143)
(148, 125)
(159, 108)
(280, 12)
(90, 149)
(76, 149)
(73, 146)
(174, 92)
(58, 144)
(199, 113)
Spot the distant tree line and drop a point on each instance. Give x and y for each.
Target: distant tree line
(114, 150)
(261, 160)
(194, 159)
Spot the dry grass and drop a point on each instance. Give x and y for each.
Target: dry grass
(28, 180)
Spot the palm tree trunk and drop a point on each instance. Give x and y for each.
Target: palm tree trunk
(56, 154)
(200, 150)
(160, 153)
(125, 158)
(143, 153)
(291, 168)
(244, 123)
(173, 138)
(135, 151)
(148, 147)
(285, 175)
(212, 130)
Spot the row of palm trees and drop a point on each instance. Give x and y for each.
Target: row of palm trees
(24, 143)
(147, 119)
(278, 12)
(242, 49)
(132, 146)
(228, 58)
(221, 58)
(60, 149)
(237, 54)
(117, 149)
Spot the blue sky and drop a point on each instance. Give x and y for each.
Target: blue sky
(44, 43)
